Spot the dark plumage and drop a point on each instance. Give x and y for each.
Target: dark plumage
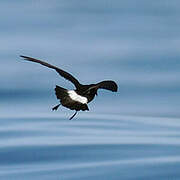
(79, 98)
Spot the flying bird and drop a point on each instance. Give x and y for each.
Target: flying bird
(83, 94)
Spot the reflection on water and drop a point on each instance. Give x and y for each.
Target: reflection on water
(97, 147)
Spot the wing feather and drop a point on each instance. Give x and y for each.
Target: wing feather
(61, 72)
(108, 85)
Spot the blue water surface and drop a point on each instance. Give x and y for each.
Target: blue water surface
(131, 134)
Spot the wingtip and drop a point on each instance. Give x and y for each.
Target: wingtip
(23, 56)
(115, 88)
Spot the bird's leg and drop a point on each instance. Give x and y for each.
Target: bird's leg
(73, 115)
(56, 107)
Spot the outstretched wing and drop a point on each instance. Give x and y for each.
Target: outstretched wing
(108, 85)
(64, 74)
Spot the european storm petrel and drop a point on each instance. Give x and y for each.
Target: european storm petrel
(79, 98)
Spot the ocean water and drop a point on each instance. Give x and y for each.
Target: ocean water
(90, 147)
(131, 134)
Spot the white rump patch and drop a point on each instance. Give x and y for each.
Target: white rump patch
(76, 97)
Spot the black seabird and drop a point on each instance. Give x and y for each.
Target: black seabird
(79, 98)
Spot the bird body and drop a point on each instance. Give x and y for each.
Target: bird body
(83, 94)
(70, 99)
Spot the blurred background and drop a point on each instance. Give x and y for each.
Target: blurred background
(135, 43)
